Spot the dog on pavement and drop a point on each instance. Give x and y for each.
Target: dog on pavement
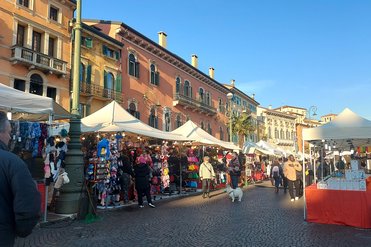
(234, 193)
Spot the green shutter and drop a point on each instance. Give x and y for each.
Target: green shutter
(117, 55)
(136, 69)
(89, 42)
(104, 49)
(157, 78)
(88, 74)
(105, 79)
(118, 83)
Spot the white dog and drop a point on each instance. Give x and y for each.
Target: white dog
(234, 193)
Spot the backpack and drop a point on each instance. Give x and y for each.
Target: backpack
(275, 171)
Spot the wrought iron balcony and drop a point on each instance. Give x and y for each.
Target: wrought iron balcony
(195, 104)
(38, 60)
(100, 92)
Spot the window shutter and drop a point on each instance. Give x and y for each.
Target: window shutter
(157, 78)
(104, 50)
(105, 79)
(156, 122)
(117, 55)
(190, 92)
(89, 42)
(137, 114)
(118, 83)
(149, 121)
(88, 74)
(136, 69)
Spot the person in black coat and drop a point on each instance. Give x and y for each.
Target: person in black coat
(126, 173)
(20, 203)
(142, 181)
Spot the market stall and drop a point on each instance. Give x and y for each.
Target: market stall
(344, 197)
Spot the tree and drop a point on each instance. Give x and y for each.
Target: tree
(242, 125)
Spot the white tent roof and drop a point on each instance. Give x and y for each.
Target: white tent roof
(114, 118)
(346, 130)
(251, 147)
(196, 134)
(29, 106)
(270, 147)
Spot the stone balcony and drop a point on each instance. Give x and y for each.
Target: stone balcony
(194, 104)
(100, 92)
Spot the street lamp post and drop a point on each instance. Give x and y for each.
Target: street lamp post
(313, 109)
(229, 97)
(71, 194)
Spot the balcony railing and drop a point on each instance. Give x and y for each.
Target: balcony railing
(100, 92)
(38, 60)
(190, 102)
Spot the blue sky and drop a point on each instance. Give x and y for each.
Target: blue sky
(286, 52)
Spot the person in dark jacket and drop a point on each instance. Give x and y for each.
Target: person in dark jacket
(126, 173)
(19, 199)
(142, 181)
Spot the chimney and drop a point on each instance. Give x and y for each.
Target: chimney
(211, 72)
(233, 82)
(162, 39)
(253, 96)
(194, 61)
(270, 107)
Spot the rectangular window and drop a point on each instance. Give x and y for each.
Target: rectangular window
(108, 52)
(53, 13)
(25, 3)
(20, 35)
(20, 85)
(87, 42)
(51, 47)
(36, 41)
(51, 92)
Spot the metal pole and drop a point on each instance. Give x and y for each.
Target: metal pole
(72, 197)
(230, 121)
(304, 184)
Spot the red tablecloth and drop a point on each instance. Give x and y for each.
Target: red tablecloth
(340, 207)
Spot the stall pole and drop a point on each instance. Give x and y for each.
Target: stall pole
(314, 165)
(50, 120)
(304, 185)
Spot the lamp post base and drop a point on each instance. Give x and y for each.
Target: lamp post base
(69, 201)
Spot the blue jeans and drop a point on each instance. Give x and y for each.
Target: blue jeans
(234, 181)
(277, 181)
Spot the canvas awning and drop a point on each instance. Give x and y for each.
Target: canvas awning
(27, 106)
(198, 135)
(114, 118)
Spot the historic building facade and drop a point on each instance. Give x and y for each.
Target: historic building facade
(100, 70)
(280, 128)
(162, 89)
(35, 47)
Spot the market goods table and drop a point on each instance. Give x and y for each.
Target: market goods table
(340, 207)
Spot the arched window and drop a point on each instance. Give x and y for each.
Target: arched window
(202, 125)
(269, 132)
(201, 94)
(178, 121)
(154, 76)
(282, 134)
(292, 135)
(220, 105)
(36, 84)
(109, 82)
(186, 89)
(177, 85)
(276, 133)
(221, 133)
(208, 99)
(133, 66)
(287, 135)
(82, 72)
(152, 118)
(132, 108)
(209, 130)
(167, 121)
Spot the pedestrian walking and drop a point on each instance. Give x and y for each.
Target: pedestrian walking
(126, 173)
(284, 178)
(142, 180)
(206, 174)
(20, 203)
(275, 174)
(234, 169)
(290, 168)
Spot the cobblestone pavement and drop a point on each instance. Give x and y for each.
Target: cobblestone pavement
(263, 218)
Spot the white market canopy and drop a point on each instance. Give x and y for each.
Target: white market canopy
(348, 130)
(267, 146)
(198, 135)
(251, 148)
(114, 118)
(27, 106)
